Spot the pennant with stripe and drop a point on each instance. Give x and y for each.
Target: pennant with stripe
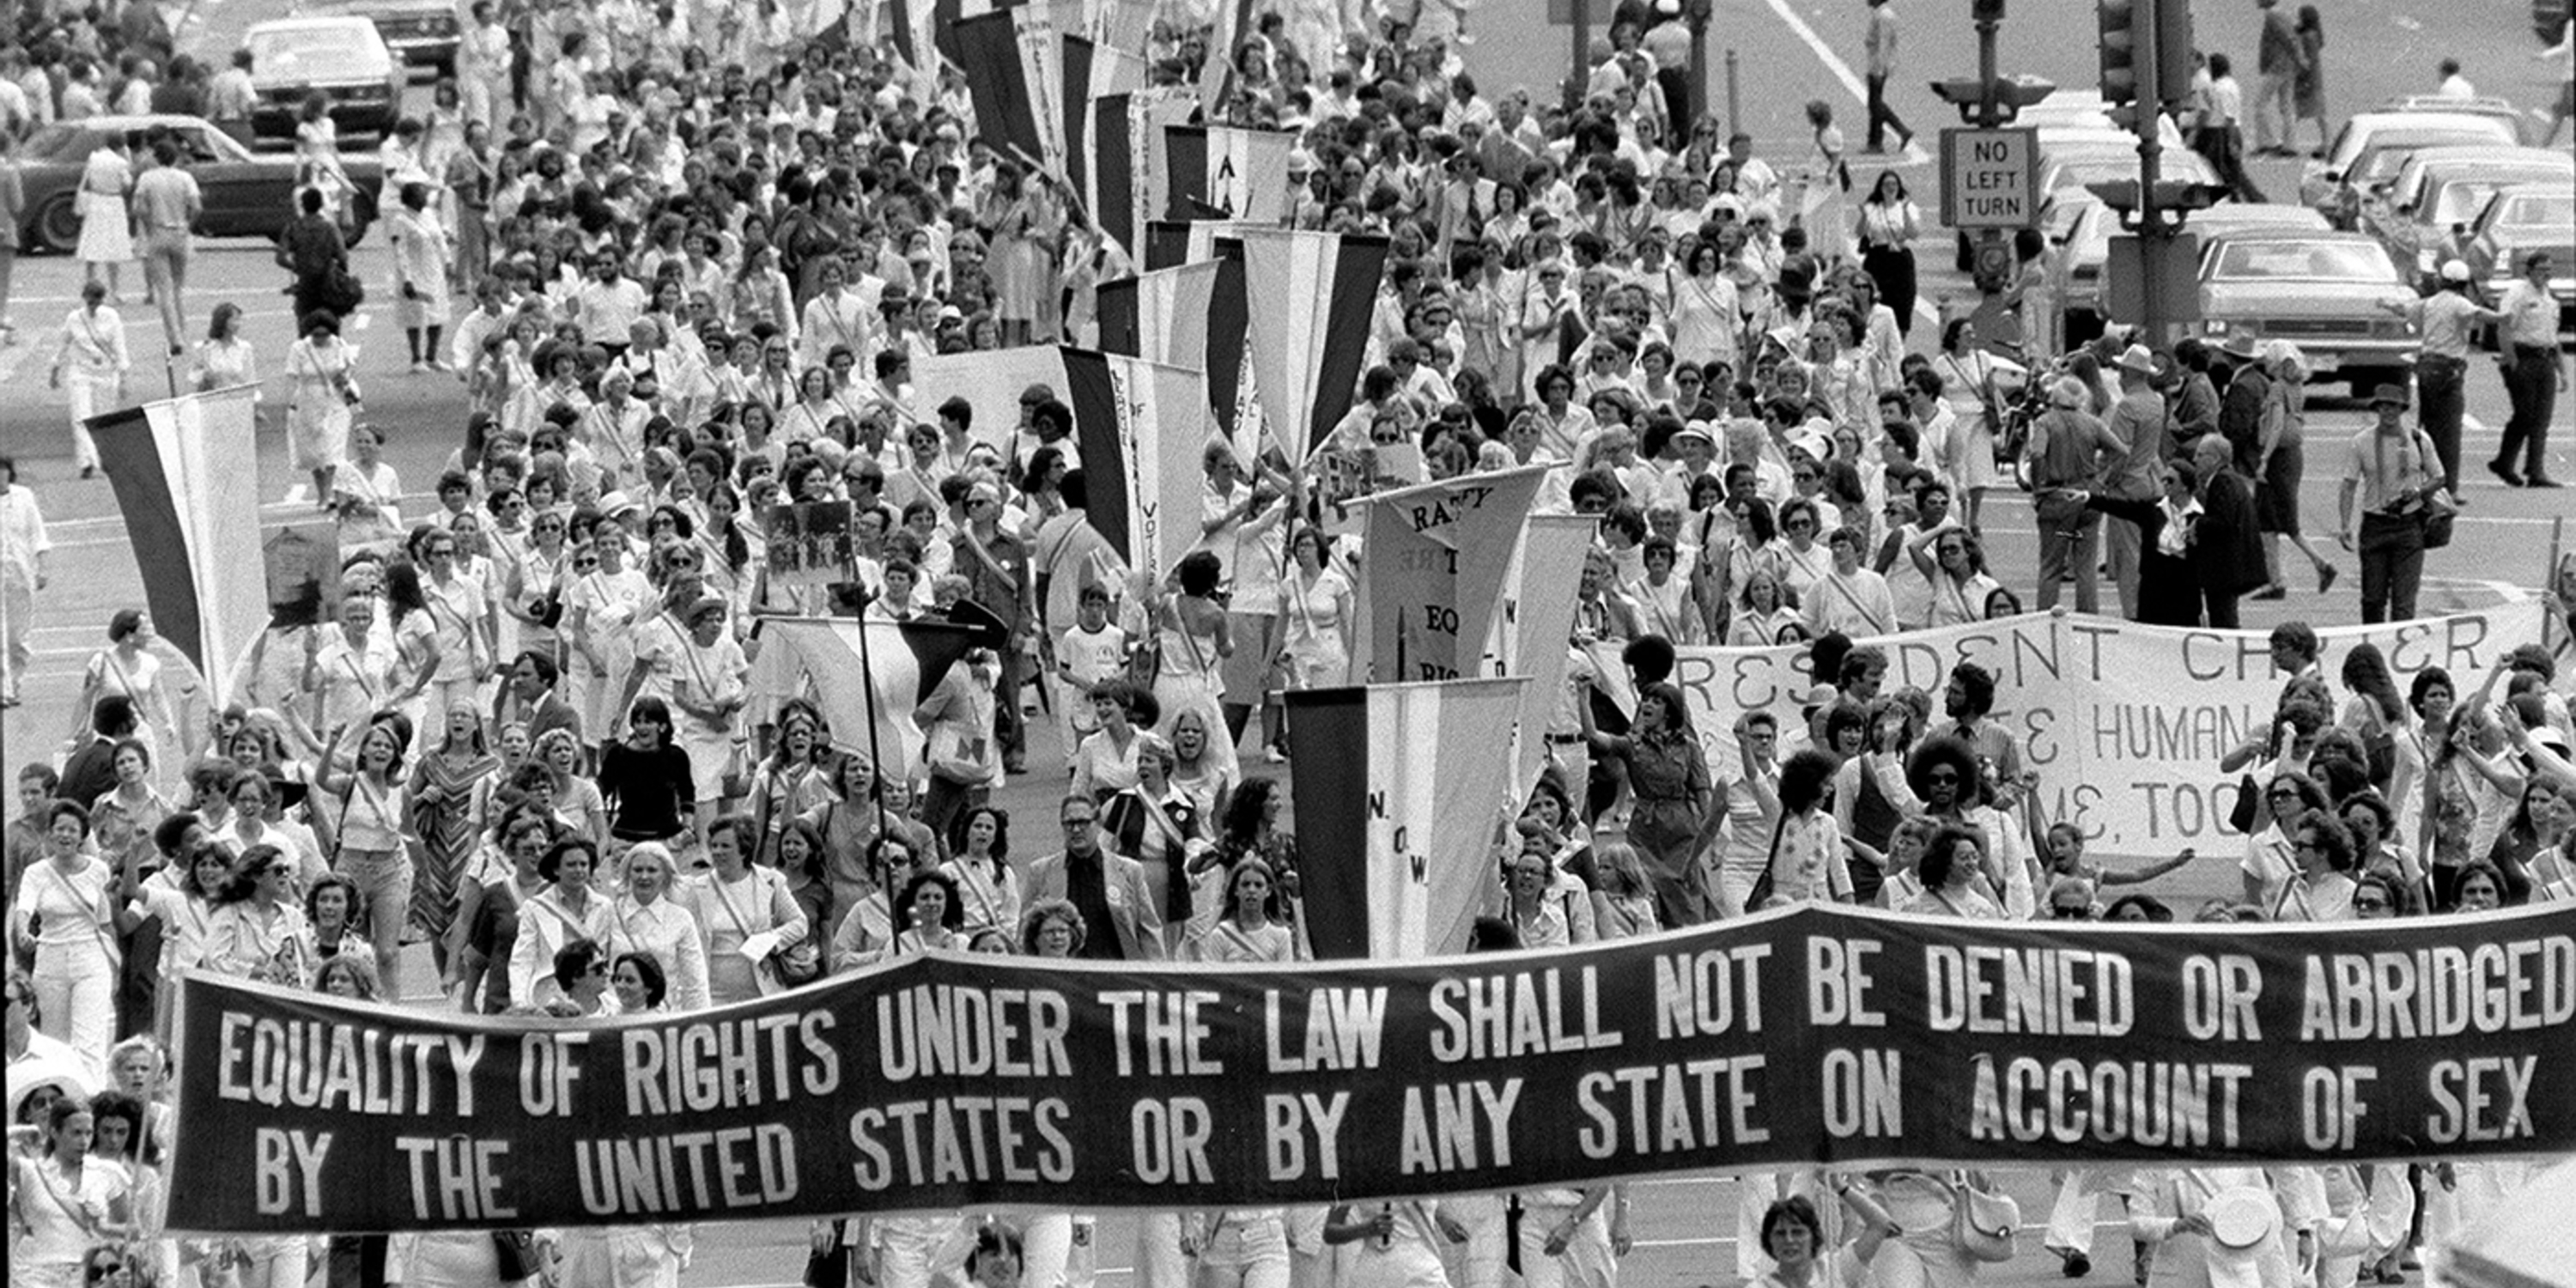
(1317, 292)
(1399, 804)
(1140, 426)
(1230, 385)
(867, 677)
(1534, 627)
(1012, 60)
(186, 475)
(1075, 110)
(1438, 557)
(1162, 315)
(1225, 172)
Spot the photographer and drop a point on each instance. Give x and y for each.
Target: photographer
(2397, 477)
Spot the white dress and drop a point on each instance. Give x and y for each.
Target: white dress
(317, 415)
(107, 228)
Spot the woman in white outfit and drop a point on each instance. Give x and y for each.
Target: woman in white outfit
(563, 913)
(319, 405)
(90, 362)
(125, 667)
(65, 906)
(1316, 601)
(107, 227)
(651, 922)
(1968, 375)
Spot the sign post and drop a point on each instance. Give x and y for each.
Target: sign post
(1989, 102)
(1990, 178)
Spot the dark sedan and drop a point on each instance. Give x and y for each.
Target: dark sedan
(248, 194)
(343, 59)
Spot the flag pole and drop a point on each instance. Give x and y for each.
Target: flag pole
(868, 677)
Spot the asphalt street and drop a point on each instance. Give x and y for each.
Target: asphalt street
(1685, 1226)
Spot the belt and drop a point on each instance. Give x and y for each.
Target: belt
(1564, 739)
(2442, 357)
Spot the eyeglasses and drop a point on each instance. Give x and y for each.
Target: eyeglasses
(2282, 794)
(2370, 905)
(1800, 525)
(2070, 912)
(1081, 820)
(586, 563)
(1942, 776)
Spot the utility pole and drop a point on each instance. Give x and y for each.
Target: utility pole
(1698, 13)
(2146, 63)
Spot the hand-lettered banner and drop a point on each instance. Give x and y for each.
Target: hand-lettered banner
(2125, 723)
(1809, 1035)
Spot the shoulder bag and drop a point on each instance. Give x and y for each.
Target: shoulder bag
(2440, 511)
(1982, 1223)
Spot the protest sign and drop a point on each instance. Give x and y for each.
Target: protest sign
(809, 544)
(1437, 556)
(1816, 1035)
(303, 564)
(2126, 723)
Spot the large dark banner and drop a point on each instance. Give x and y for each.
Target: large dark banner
(1816, 1035)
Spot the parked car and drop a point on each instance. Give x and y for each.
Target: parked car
(2084, 164)
(423, 33)
(2425, 211)
(342, 59)
(247, 194)
(2517, 221)
(2372, 145)
(2321, 291)
(2087, 252)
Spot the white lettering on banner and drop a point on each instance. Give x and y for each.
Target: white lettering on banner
(286, 1170)
(1862, 1093)
(2485, 1099)
(456, 1179)
(1452, 1126)
(2056, 992)
(1287, 1118)
(1668, 1108)
(1168, 1028)
(2126, 722)
(2158, 1104)
(1491, 1017)
(1345, 1029)
(737, 1168)
(2440, 992)
(932, 1031)
(978, 1138)
(1695, 994)
(345, 1068)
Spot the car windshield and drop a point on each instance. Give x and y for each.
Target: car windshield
(2535, 210)
(2461, 199)
(2273, 261)
(2390, 149)
(314, 53)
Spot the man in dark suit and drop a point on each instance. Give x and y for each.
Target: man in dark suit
(532, 682)
(2227, 553)
(91, 771)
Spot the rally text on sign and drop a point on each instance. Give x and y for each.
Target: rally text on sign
(1811, 1035)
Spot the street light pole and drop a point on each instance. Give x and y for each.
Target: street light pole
(1699, 15)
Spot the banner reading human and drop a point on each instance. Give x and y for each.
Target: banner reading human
(1814, 1035)
(2125, 722)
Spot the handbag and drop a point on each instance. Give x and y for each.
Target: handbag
(1760, 894)
(514, 1255)
(2440, 511)
(1982, 1223)
(2249, 799)
(768, 973)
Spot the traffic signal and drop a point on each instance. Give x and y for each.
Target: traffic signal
(2125, 70)
(2121, 52)
(2173, 49)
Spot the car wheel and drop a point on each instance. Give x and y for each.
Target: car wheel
(58, 226)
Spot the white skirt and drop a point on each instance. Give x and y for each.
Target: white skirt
(107, 233)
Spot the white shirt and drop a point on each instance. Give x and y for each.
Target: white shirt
(22, 533)
(670, 933)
